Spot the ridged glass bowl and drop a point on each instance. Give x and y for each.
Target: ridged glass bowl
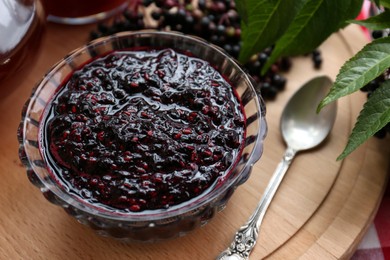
(159, 224)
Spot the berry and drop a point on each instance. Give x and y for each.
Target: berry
(156, 15)
(269, 91)
(147, 2)
(371, 86)
(377, 34)
(317, 59)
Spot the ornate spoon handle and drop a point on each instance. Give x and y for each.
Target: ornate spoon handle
(245, 238)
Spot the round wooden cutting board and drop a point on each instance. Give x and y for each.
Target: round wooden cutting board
(323, 206)
(321, 210)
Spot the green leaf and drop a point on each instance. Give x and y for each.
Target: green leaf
(315, 22)
(374, 116)
(378, 22)
(266, 21)
(384, 3)
(353, 11)
(365, 66)
(241, 6)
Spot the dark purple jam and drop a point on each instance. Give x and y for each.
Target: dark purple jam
(143, 130)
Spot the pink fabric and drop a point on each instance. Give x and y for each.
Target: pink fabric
(364, 14)
(376, 243)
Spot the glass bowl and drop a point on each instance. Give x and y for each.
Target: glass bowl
(151, 225)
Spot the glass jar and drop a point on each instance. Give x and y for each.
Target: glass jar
(82, 12)
(21, 28)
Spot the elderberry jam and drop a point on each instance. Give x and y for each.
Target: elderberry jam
(140, 130)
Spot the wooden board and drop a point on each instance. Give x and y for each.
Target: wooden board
(321, 211)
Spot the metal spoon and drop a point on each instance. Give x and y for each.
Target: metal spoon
(302, 128)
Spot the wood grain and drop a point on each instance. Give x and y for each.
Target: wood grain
(321, 211)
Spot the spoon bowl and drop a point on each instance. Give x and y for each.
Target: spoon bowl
(302, 128)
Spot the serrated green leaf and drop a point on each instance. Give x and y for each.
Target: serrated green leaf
(384, 3)
(373, 117)
(241, 6)
(315, 22)
(378, 22)
(266, 21)
(365, 66)
(354, 10)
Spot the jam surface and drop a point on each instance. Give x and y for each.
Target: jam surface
(142, 130)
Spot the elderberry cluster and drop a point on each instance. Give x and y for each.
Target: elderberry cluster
(216, 21)
(369, 89)
(374, 84)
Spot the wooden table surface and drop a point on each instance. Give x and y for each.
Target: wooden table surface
(321, 211)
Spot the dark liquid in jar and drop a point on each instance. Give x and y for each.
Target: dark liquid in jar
(76, 8)
(143, 130)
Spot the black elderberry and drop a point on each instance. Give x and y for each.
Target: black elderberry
(228, 48)
(370, 86)
(205, 21)
(279, 82)
(146, 3)
(202, 5)
(381, 133)
(285, 64)
(268, 91)
(221, 29)
(236, 50)
(262, 57)
(377, 34)
(317, 59)
(94, 35)
(181, 15)
(156, 15)
(103, 28)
